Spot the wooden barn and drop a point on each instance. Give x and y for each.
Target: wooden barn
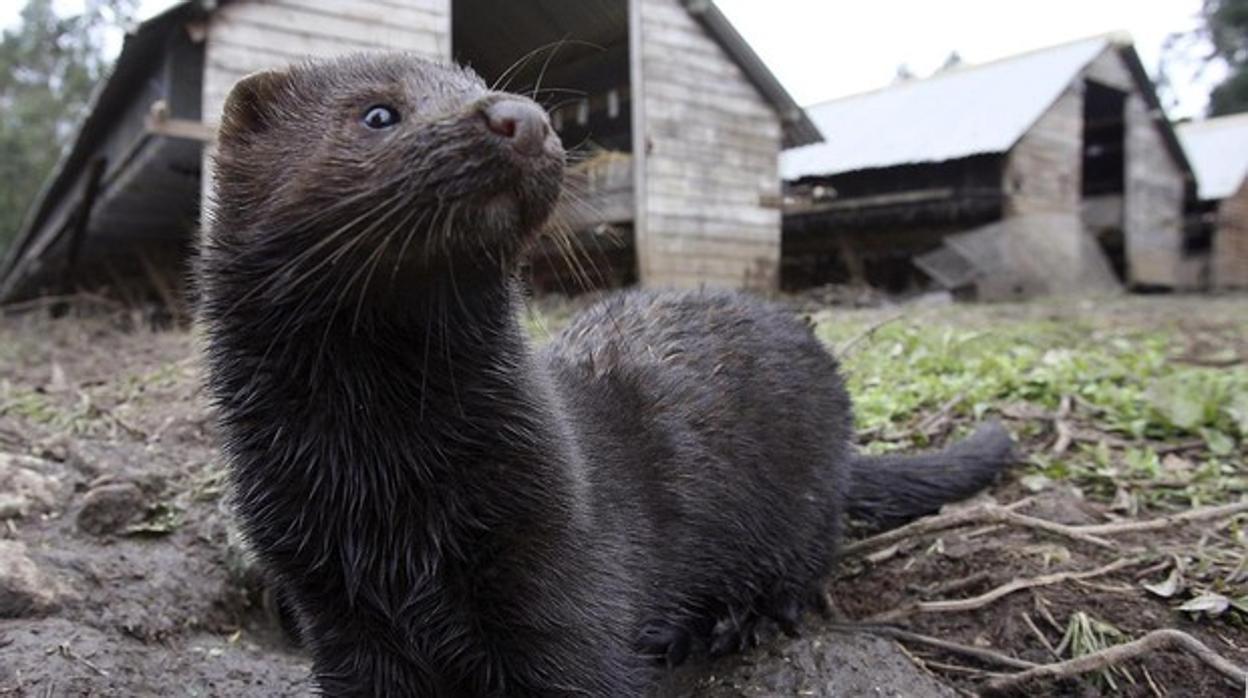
(1218, 213)
(1050, 170)
(677, 123)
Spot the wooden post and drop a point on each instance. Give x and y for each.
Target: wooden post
(641, 200)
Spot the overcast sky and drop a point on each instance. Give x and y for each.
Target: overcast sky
(821, 49)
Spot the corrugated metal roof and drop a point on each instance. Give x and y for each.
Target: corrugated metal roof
(966, 111)
(1218, 151)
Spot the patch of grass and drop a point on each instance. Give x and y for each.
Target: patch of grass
(1086, 635)
(1133, 399)
(76, 416)
(136, 385)
(27, 404)
(160, 519)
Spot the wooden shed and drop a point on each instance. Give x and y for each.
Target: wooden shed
(1073, 132)
(677, 122)
(1218, 212)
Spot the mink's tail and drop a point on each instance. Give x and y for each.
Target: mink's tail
(890, 490)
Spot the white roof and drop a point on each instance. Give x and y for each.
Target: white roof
(1218, 151)
(962, 112)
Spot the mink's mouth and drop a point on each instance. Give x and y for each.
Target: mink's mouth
(492, 224)
(519, 204)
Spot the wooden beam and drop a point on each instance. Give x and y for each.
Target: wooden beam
(803, 206)
(159, 123)
(641, 141)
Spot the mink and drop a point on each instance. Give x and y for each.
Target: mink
(452, 510)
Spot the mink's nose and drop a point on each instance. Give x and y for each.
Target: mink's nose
(523, 123)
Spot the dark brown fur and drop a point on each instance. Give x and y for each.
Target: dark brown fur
(453, 512)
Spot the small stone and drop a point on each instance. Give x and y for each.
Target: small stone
(110, 507)
(27, 485)
(24, 589)
(12, 506)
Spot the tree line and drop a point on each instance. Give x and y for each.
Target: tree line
(50, 63)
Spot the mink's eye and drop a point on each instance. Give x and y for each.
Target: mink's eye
(380, 117)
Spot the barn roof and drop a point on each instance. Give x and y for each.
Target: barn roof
(1218, 150)
(965, 111)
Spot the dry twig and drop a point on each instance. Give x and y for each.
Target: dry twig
(1164, 522)
(984, 655)
(1040, 635)
(956, 584)
(994, 513)
(977, 602)
(985, 513)
(1165, 638)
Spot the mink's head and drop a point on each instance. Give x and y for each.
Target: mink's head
(386, 164)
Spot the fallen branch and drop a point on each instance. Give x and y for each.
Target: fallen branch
(987, 598)
(1164, 522)
(994, 513)
(985, 513)
(984, 655)
(1112, 656)
(951, 586)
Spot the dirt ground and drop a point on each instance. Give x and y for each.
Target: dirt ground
(120, 573)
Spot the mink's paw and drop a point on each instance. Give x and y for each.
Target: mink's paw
(663, 642)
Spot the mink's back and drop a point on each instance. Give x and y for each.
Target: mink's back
(715, 429)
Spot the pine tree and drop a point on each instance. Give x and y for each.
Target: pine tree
(49, 66)
(1226, 24)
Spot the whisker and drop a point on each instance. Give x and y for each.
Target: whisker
(373, 261)
(542, 74)
(518, 63)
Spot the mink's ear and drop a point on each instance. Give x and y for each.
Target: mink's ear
(251, 102)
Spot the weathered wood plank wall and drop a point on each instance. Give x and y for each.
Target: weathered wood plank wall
(1043, 171)
(1230, 241)
(1153, 201)
(244, 37)
(1042, 175)
(707, 146)
(250, 35)
(1154, 208)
